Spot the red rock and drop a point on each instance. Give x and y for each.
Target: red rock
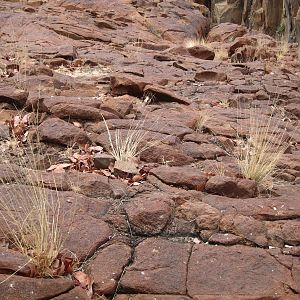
(58, 131)
(210, 76)
(226, 239)
(103, 160)
(164, 153)
(24, 288)
(205, 216)
(126, 85)
(12, 95)
(163, 95)
(77, 293)
(201, 52)
(231, 187)
(151, 297)
(187, 177)
(85, 236)
(12, 261)
(159, 267)
(107, 267)
(204, 151)
(255, 273)
(226, 32)
(246, 227)
(149, 215)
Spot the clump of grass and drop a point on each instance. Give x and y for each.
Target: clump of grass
(128, 144)
(202, 119)
(283, 49)
(262, 148)
(196, 42)
(30, 214)
(221, 53)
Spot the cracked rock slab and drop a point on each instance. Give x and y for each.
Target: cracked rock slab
(24, 288)
(159, 267)
(237, 271)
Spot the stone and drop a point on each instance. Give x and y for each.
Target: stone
(159, 267)
(255, 273)
(86, 236)
(149, 215)
(210, 76)
(166, 154)
(163, 95)
(246, 227)
(201, 52)
(103, 160)
(107, 267)
(231, 187)
(203, 151)
(78, 293)
(226, 239)
(186, 177)
(204, 215)
(226, 32)
(151, 297)
(24, 288)
(57, 131)
(12, 261)
(89, 184)
(125, 168)
(13, 95)
(4, 132)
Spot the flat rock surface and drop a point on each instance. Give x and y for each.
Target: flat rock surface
(177, 218)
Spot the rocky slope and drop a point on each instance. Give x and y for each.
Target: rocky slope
(186, 229)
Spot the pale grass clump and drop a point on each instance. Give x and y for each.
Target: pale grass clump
(30, 214)
(263, 147)
(196, 42)
(283, 49)
(202, 119)
(221, 54)
(128, 144)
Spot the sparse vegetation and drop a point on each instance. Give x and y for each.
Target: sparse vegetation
(262, 147)
(221, 53)
(203, 117)
(283, 48)
(30, 213)
(190, 43)
(127, 144)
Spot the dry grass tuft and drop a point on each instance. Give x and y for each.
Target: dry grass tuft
(190, 43)
(30, 214)
(203, 117)
(128, 144)
(221, 54)
(262, 148)
(283, 49)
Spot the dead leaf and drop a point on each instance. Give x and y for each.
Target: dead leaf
(59, 168)
(84, 281)
(96, 148)
(77, 124)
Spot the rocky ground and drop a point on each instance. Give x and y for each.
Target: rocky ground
(184, 227)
